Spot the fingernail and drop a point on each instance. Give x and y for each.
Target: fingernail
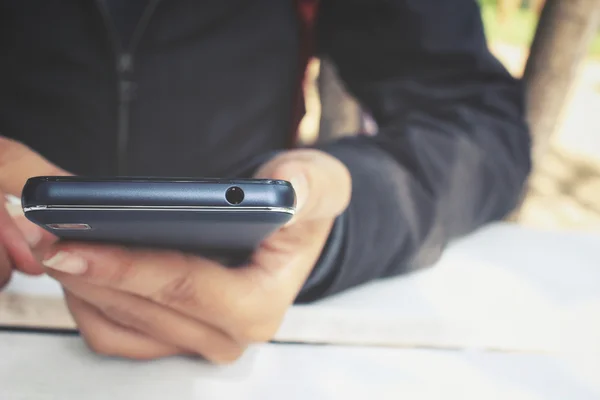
(31, 232)
(11, 198)
(14, 210)
(67, 263)
(300, 186)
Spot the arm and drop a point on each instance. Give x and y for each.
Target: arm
(453, 148)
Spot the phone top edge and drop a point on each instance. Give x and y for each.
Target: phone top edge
(156, 192)
(285, 210)
(156, 179)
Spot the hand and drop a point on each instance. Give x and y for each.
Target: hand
(150, 304)
(21, 242)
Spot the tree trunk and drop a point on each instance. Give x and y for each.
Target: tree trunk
(561, 43)
(538, 6)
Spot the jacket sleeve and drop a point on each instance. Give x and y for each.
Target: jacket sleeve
(453, 148)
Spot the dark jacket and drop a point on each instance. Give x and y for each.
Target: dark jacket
(209, 85)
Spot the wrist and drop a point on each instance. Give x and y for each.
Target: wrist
(325, 269)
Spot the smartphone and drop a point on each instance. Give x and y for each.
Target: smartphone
(214, 217)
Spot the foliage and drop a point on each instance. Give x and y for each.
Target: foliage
(520, 29)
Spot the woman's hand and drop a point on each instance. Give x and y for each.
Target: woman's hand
(150, 304)
(22, 243)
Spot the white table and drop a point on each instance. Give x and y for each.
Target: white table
(533, 295)
(37, 367)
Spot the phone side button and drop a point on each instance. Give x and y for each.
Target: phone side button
(69, 227)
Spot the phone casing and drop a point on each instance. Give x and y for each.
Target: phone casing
(188, 215)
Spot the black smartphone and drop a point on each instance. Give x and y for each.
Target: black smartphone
(214, 217)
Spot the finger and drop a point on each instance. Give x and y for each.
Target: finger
(38, 239)
(5, 268)
(109, 339)
(158, 322)
(286, 259)
(196, 287)
(19, 163)
(18, 244)
(31, 233)
(321, 182)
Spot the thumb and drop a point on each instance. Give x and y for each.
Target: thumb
(17, 242)
(322, 183)
(19, 237)
(19, 163)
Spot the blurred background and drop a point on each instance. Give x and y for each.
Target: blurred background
(563, 79)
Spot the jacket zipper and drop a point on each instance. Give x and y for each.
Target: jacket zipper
(124, 65)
